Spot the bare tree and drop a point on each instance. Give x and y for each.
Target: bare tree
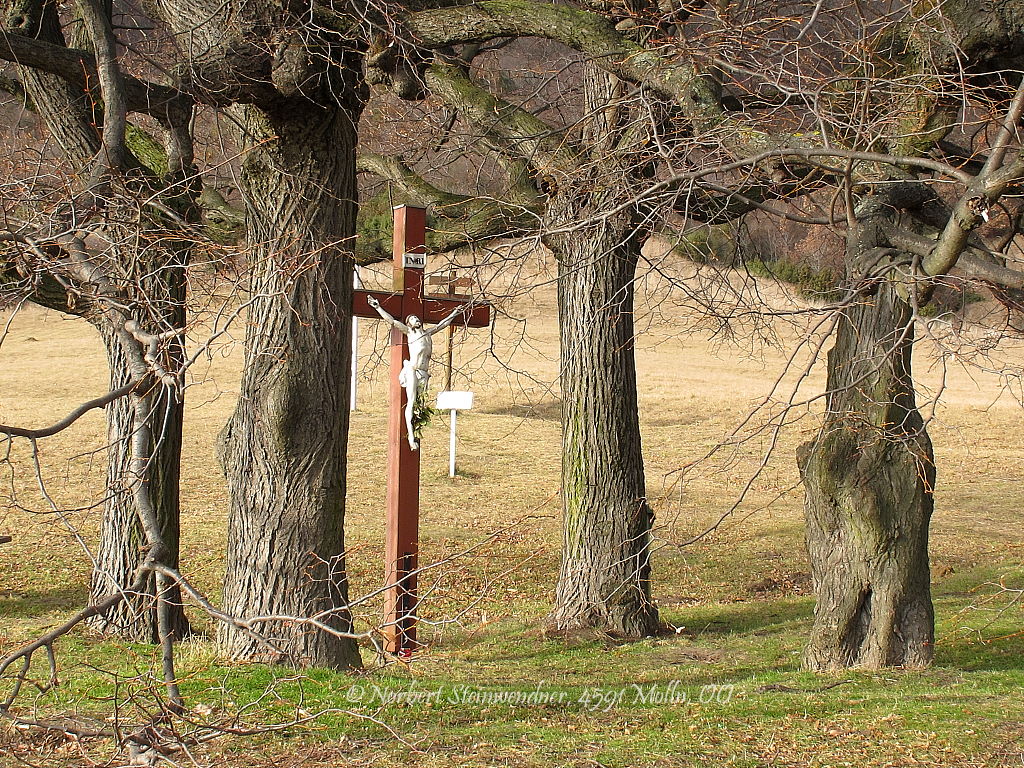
(296, 101)
(686, 114)
(565, 182)
(139, 268)
(850, 108)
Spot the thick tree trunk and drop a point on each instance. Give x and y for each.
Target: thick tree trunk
(605, 579)
(69, 114)
(869, 478)
(71, 118)
(121, 535)
(283, 450)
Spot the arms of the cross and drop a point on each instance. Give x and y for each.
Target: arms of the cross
(435, 309)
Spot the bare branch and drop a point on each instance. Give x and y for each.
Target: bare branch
(115, 109)
(1007, 132)
(71, 418)
(79, 68)
(664, 71)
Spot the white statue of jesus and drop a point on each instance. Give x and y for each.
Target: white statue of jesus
(415, 375)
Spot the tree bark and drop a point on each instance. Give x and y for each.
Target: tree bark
(869, 477)
(122, 539)
(605, 579)
(283, 451)
(74, 120)
(70, 114)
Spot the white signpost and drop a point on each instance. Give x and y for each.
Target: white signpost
(357, 284)
(453, 401)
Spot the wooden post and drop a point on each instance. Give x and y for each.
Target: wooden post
(402, 532)
(401, 554)
(451, 284)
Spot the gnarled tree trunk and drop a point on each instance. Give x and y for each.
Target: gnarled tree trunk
(283, 450)
(71, 118)
(605, 579)
(869, 477)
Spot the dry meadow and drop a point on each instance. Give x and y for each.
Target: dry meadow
(735, 599)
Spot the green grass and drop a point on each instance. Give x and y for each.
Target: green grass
(738, 596)
(726, 687)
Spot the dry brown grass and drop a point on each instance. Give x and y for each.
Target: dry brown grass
(730, 589)
(694, 390)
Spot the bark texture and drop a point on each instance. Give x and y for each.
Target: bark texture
(69, 113)
(122, 538)
(157, 287)
(297, 97)
(869, 478)
(605, 578)
(283, 450)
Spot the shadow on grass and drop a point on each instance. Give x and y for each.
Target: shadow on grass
(755, 617)
(750, 623)
(550, 410)
(1001, 655)
(1000, 647)
(36, 602)
(981, 619)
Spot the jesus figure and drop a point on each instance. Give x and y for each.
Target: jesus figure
(415, 375)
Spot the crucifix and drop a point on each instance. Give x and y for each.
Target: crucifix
(409, 304)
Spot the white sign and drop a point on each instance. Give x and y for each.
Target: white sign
(454, 401)
(415, 260)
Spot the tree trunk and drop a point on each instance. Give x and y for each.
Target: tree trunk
(72, 119)
(869, 478)
(283, 451)
(121, 536)
(69, 114)
(605, 579)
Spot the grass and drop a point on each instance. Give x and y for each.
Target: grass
(727, 688)
(737, 599)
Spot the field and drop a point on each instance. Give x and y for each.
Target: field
(722, 686)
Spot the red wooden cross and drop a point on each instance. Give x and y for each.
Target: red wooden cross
(401, 553)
